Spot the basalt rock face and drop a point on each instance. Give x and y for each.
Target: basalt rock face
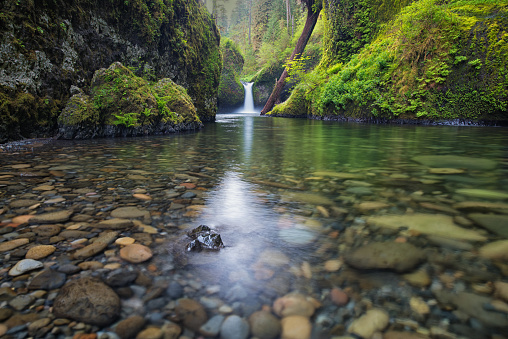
(48, 46)
(231, 91)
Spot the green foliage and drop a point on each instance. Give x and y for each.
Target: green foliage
(296, 68)
(416, 68)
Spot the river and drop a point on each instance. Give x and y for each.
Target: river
(292, 200)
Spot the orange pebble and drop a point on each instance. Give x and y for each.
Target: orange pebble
(401, 239)
(152, 268)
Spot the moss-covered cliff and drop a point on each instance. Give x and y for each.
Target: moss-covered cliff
(231, 91)
(435, 61)
(47, 46)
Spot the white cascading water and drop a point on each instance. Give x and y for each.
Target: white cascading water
(248, 104)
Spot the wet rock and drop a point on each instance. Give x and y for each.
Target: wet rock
(297, 236)
(23, 203)
(372, 321)
(400, 257)
(150, 333)
(40, 251)
(47, 280)
(121, 277)
(497, 250)
(192, 313)
(130, 213)
(20, 302)
(309, 198)
(368, 206)
(12, 244)
(418, 278)
(264, 325)
(87, 300)
(296, 327)
(454, 161)
(212, 327)
(295, 304)
(125, 241)
(497, 224)
(501, 290)
(25, 265)
(174, 290)
(473, 305)
(234, 327)
(483, 193)
(47, 230)
(96, 247)
(273, 258)
(130, 327)
(403, 335)
(52, 217)
(35, 327)
(135, 253)
(339, 297)
(171, 330)
(204, 238)
(433, 224)
(114, 224)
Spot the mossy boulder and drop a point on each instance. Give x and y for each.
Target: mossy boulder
(231, 90)
(123, 104)
(48, 46)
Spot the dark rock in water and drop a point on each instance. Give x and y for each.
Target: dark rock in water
(47, 280)
(120, 278)
(203, 237)
(87, 300)
(130, 327)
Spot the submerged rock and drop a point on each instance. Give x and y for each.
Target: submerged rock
(434, 224)
(454, 161)
(400, 257)
(204, 238)
(87, 300)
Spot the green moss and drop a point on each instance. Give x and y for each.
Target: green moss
(231, 91)
(416, 68)
(118, 97)
(18, 111)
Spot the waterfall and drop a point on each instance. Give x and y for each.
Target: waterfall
(248, 104)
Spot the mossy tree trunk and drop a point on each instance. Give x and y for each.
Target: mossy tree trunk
(313, 9)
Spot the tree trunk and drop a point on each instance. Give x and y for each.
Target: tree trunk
(310, 23)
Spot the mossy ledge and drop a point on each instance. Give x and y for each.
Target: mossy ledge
(436, 62)
(122, 104)
(47, 46)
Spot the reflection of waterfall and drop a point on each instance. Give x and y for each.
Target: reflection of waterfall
(248, 104)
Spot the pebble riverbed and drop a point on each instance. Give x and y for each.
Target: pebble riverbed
(93, 236)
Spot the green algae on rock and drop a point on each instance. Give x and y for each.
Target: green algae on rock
(433, 224)
(122, 104)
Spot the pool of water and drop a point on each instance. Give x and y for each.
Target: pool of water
(292, 199)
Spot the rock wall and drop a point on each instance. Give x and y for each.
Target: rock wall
(47, 46)
(231, 91)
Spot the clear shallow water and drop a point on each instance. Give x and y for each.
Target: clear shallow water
(265, 185)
